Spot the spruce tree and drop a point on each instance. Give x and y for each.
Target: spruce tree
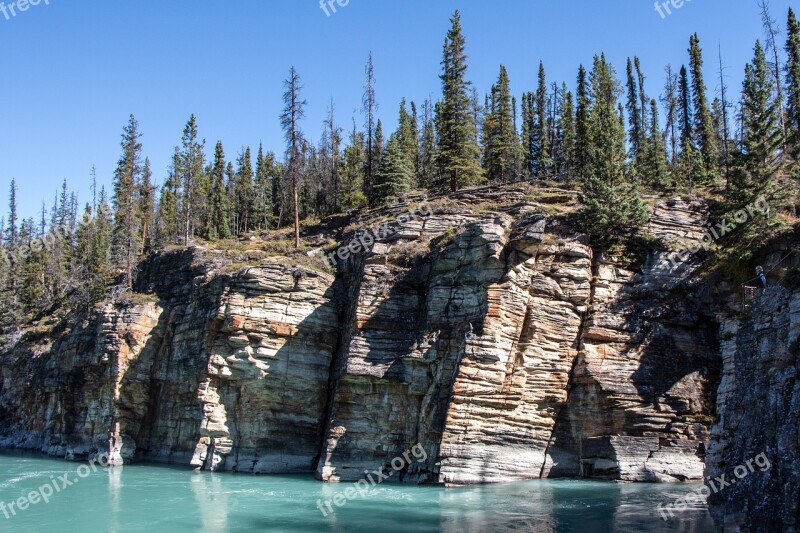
(542, 156)
(147, 204)
(427, 151)
(582, 156)
(612, 206)
(458, 151)
(218, 225)
(793, 84)
(127, 224)
(395, 175)
(190, 169)
(704, 132)
(636, 132)
(757, 170)
(13, 233)
(566, 128)
(500, 137)
(244, 191)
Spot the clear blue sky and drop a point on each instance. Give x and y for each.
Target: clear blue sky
(74, 70)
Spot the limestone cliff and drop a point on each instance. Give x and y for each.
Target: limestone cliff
(487, 331)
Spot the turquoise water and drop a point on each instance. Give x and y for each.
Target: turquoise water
(154, 499)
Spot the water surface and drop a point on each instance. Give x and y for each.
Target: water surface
(153, 499)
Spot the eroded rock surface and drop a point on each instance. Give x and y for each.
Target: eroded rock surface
(496, 340)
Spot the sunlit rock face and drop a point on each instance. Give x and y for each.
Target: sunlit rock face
(484, 333)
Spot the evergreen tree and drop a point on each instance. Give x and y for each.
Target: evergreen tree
(458, 152)
(147, 203)
(566, 128)
(500, 137)
(244, 191)
(218, 225)
(190, 169)
(582, 159)
(612, 206)
(352, 194)
(370, 108)
(757, 171)
(637, 128)
(407, 137)
(127, 224)
(793, 84)
(395, 175)
(542, 156)
(703, 121)
(427, 151)
(655, 170)
(13, 234)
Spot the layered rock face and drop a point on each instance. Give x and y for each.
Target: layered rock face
(495, 341)
(755, 442)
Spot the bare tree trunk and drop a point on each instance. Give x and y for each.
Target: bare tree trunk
(296, 214)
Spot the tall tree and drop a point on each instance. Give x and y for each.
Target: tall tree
(582, 160)
(500, 137)
(612, 206)
(704, 124)
(190, 169)
(293, 113)
(793, 83)
(458, 151)
(127, 225)
(13, 232)
(542, 156)
(636, 131)
(771, 32)
(370, 109)
(147, 204)
(218, 225)
(758, 169)
(244, 191)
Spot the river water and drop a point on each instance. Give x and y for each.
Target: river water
(153, 499)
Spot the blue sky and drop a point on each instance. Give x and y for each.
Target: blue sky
(74, 70)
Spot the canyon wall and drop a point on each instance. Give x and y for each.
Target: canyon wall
(495, 339)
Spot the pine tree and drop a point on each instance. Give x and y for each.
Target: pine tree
(458, 151)
(427, 151)
(127, 224)
(636, 132)
(190, 169)
(352, 192)
(244, 191)
(218, 224)
(147, 203)
(500, 137)
(612, 206)
(542, 156)
(793, 84)
(167, 219)
(407, 137)
(13, 232)
(566, 128)
(293, 113)
(370, 109)
(655, 170)
(703, 121)
(757, 170)
(582, 159)
(395, 175)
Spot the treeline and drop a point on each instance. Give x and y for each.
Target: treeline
(604, 136)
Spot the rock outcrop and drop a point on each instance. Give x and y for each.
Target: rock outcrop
(755, 442)
(496, 340)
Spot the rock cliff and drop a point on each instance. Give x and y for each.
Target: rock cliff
(483, 328)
